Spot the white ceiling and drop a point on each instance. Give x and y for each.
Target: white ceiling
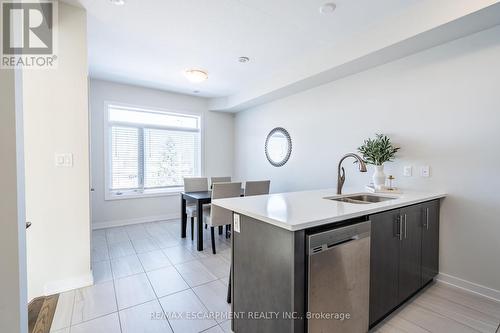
(151, 42)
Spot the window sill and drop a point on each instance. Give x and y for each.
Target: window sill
(131, 194)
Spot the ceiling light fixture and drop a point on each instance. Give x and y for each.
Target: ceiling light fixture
(117, 2)
(243, 59)
(327, 8)
(196, 75)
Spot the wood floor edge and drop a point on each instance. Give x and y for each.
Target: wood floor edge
(41, 312)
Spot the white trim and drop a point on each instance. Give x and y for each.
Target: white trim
(469, 286)
(60, 286)
(146, 219)
(149, 193)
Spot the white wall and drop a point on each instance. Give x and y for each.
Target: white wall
(217, 141)
(442, 106)
(13, 302)
(57, 199)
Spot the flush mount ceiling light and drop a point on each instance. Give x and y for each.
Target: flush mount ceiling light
(196, 75)
(243, 59)
(327, 8)
(117, 2)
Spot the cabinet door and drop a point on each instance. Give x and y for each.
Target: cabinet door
(430, 240)
(384, 263)
(410, 275)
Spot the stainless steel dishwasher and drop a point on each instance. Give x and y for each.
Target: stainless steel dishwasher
(339, 279)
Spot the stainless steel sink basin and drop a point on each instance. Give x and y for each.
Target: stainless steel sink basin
(361, 198)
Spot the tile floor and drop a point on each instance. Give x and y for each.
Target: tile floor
(147, 270)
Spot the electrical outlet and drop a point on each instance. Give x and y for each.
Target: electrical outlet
(407, 171)
(236, 220)
(425, 171)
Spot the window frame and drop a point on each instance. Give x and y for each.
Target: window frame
(110, 194)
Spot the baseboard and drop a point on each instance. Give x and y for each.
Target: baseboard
(469, 286)
(146, 219)
(60, 286)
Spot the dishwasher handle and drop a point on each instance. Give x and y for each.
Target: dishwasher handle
(326, 240)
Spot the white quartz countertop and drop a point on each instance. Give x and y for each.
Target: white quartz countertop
(301, 210)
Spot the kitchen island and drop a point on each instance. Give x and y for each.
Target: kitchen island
(273, 289)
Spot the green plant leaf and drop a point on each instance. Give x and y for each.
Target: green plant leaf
(379, 150)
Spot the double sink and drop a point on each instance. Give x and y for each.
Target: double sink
(363, 198)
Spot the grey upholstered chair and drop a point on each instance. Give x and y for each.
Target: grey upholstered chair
(257, 187)
(214, 180)
(194, 184)
(217, 216)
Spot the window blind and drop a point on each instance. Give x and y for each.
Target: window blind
(169, 156)
(124, 158)
(152, 150)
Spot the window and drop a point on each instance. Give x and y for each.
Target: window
(150, 152)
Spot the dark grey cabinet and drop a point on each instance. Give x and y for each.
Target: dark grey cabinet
(430, 241)
(384, 263)
(410, 248)
(404, 255)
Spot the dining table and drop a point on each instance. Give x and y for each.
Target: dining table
(200, 198)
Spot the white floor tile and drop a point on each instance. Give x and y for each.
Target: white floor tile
(226, 254)
(64, 330)
(64, 309)
(133, 290)
(155, 228)
(137, 232)
(213, 295)
(186, 304)
(99, 234)
(194, 273)
(99, 240)
(106, 324)
(94, 301)
(225, 280)
(121, 249)
(226, 326)
(215, 329)
(154, 260)
(166, 240)
(116, 235)
(126, 266)
(178, 254)
(147, 318)
(166, 281)
(217, 266)
(100, 253)
(102, 271)
(144, 245)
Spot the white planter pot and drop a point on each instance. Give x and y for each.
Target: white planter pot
(379, 177)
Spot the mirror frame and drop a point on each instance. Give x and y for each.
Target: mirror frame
(289, 141)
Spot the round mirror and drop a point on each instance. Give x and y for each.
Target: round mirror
(278, 146)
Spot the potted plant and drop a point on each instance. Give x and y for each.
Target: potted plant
(376, 152)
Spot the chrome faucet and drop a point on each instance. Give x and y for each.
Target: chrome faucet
(341, 171)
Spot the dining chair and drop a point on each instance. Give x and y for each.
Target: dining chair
(194, 184)
(257, 187)
(217, 216)
(214, 180)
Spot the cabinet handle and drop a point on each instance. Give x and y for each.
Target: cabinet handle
(405, 226)
(427, 218)
(400, 227)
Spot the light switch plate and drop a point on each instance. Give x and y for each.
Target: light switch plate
(407, 171)
(63, 160)
(236, 220)
(425, 171)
